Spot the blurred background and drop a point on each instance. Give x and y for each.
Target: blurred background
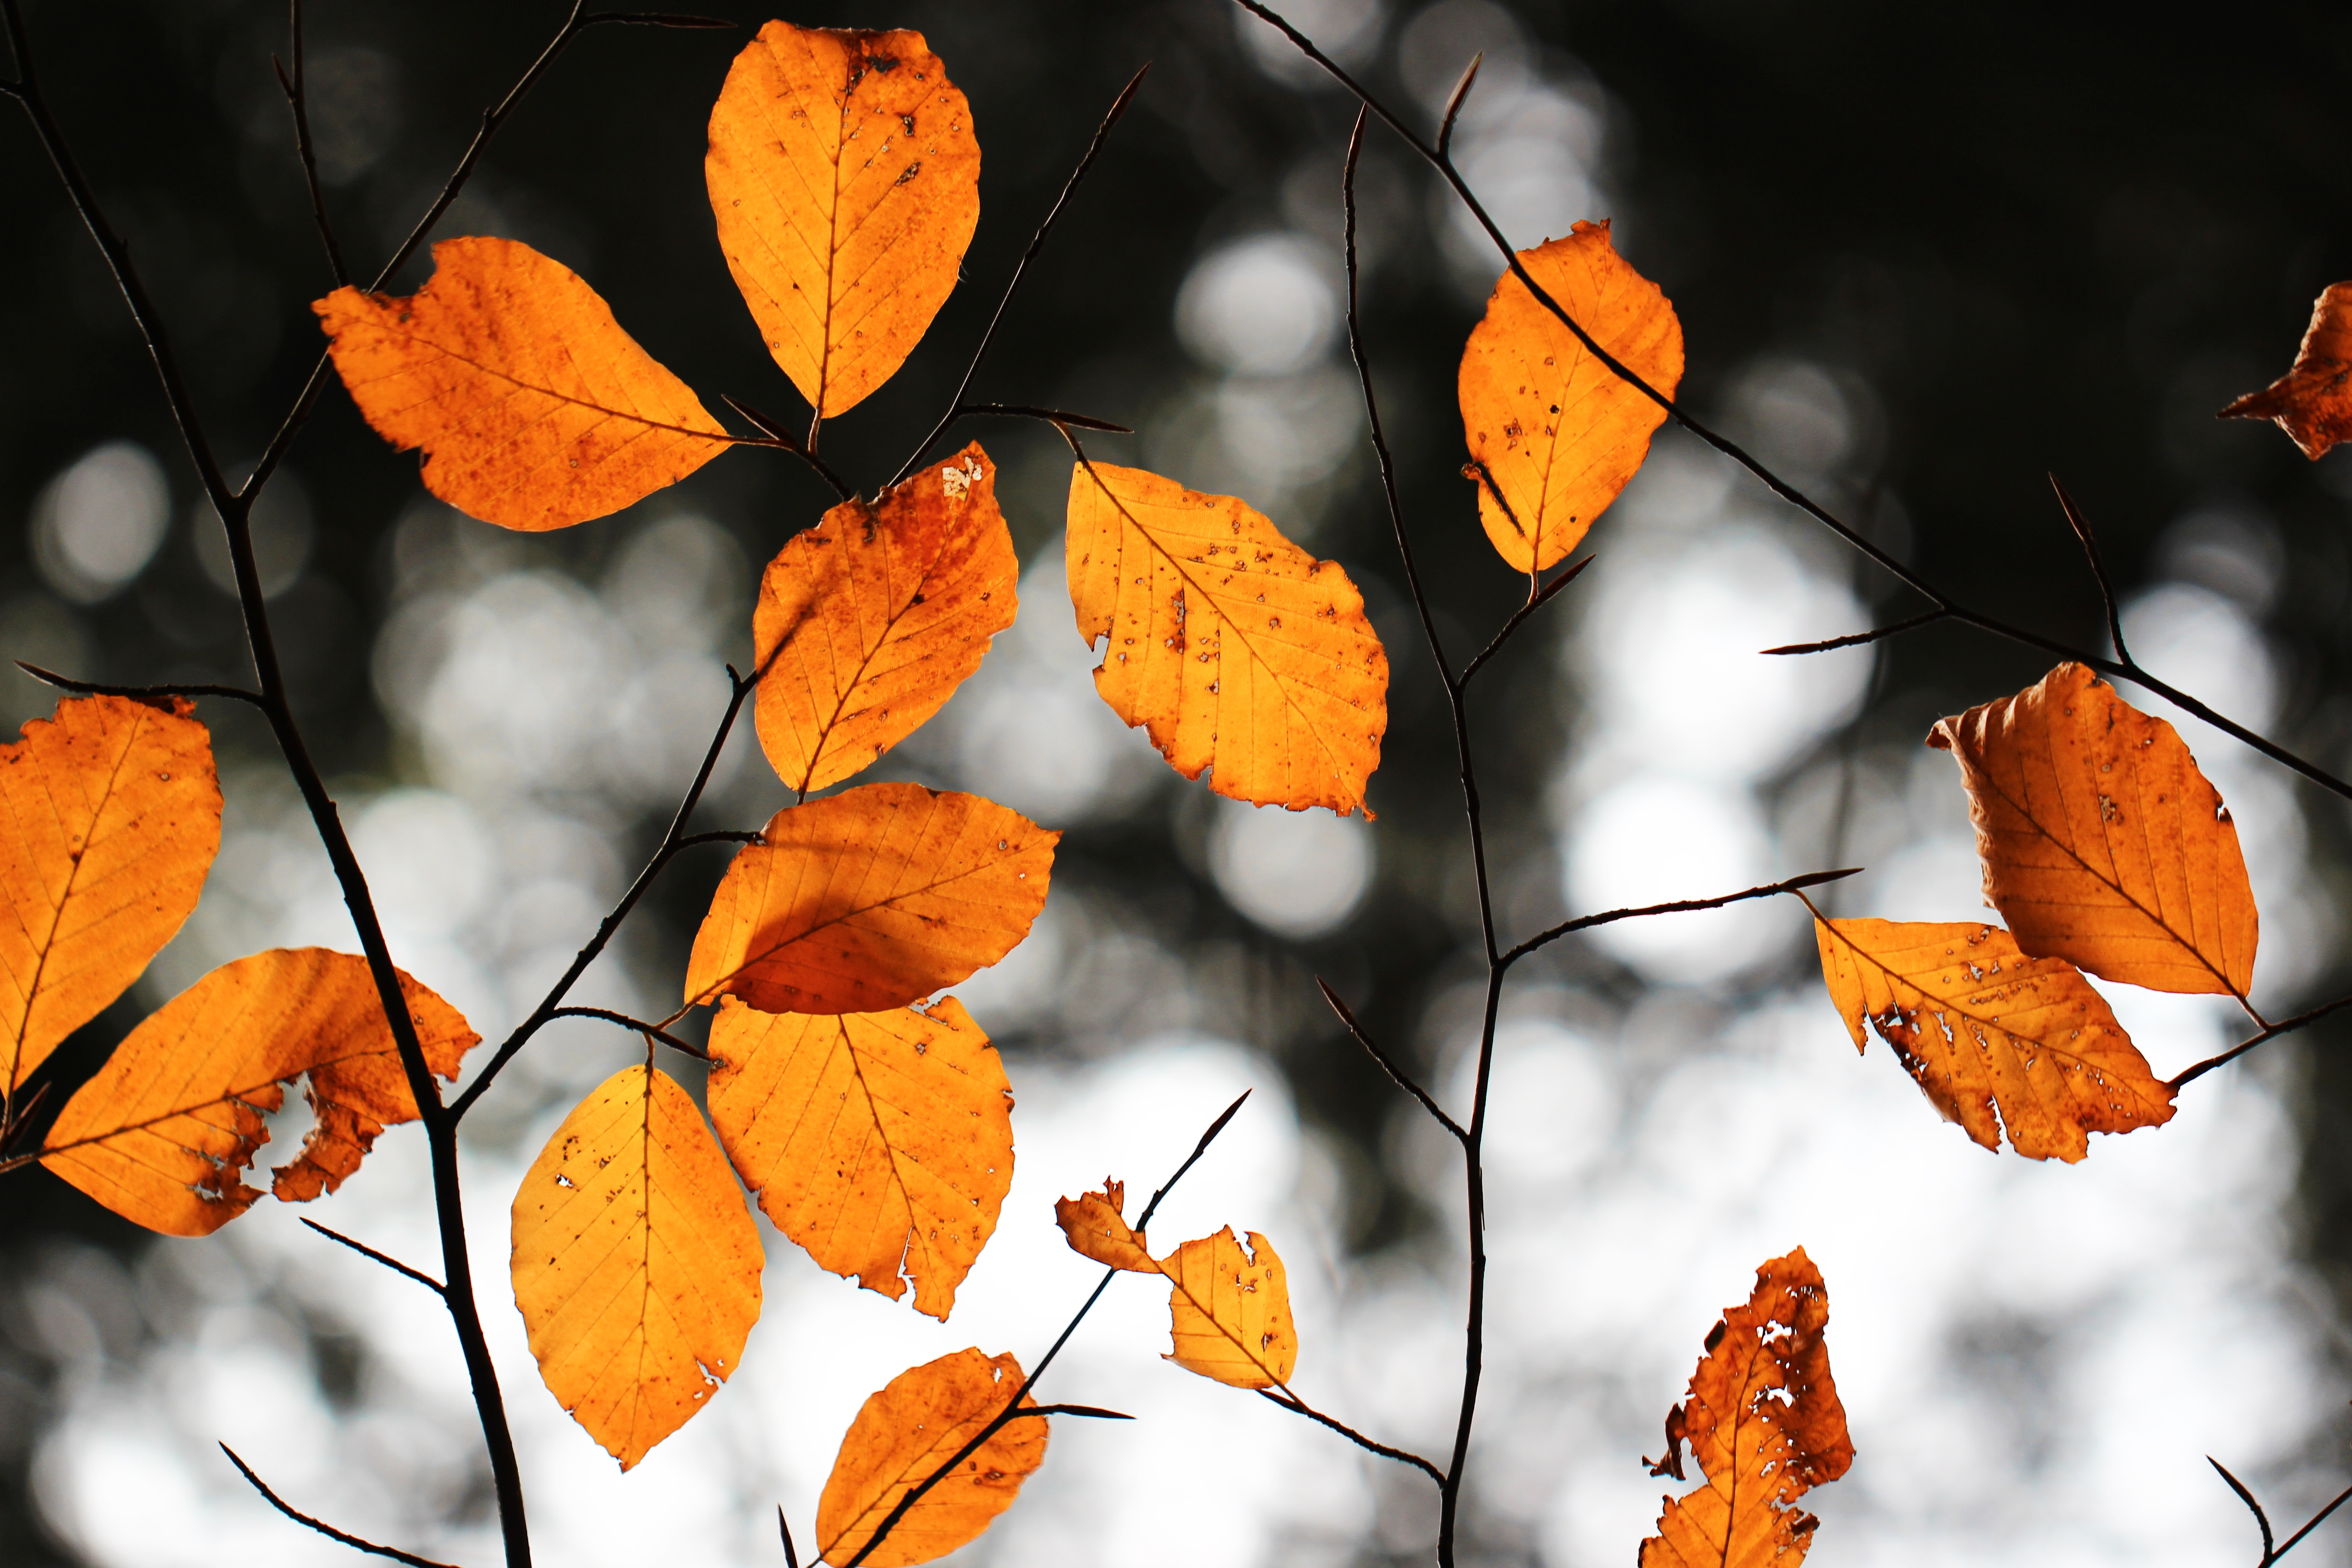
(1923, 255)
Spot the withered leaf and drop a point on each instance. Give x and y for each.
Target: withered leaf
(2312, 402)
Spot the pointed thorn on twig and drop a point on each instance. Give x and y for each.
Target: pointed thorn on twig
(784, 1529)
(1095, 1412)
(775, 428)
(2090, 543)
(1816, 878)
(1453, 106)
(329, 1530)
(2239, 1487)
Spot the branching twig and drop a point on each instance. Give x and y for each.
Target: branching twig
(1678, 907)
(2263, 1520)
(651, 1031)
(1858, 639)
(297, 100)
(2115, 668)
(1050, 416)
(784, 1529)
(142, 693)
(1396, 1073)
(2270, 1032)
(1543, 597)
(916, 1493)
(395, 1264)
(2090, 542)
(673, 841)
(785, 440)
(329, 1530)
(1291, 1402)
(1037, 243)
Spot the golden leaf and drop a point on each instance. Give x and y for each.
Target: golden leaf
(2311, 402)
(1980, 1027)
(110, 817)
(2102, 843)
(1230, 1311)
(534, 408)
(1764, 1424)
(909, 1429)
(870, 899)
(868, 622)
(635, 1264)
(162, 1133)
(845, 179)
(1236, 649)
(880, 1141)
(1555, 432)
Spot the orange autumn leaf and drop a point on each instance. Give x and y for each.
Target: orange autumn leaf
(909, 1429)
(110, 817)
(868, 622)
(1228, 1310)
(1984, 1028)
(1237, 650)
(1095, 1227)
(534, 408)
(162, 1133)
(846, 180)
(635, 1266)
(880, 1141)
(2102, 843)
(1763, 1421)
(2312, 402)
(870, 899)
(1555, 433)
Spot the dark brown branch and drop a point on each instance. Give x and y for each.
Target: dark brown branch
(395, 1264)
(1679, 907)
(673, 841)
(1095, 1412)
(1453, 102)
(1291, 1402)
(1858, 639)
(1396, 1074)
(2122, 669)
(956, 408)
(1050, 416)
(658, 19)
(1012, 1410)
(2314, 1522)
(1543, 597)
(2090, 543)
(329, 1530)
(2263, 1519)
(728, 836)
(2269, 1032)
(297, 100)
(783, 440)
(651, 1031)
(784, 1529)
(141, 694)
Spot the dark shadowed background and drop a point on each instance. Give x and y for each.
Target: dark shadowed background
(1923, 257)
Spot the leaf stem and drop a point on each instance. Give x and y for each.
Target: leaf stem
(2270, 1032)
(1291, 1402)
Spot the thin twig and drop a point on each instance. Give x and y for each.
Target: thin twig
(2314, 1522)
(660, 19)
(1453, 102)
(395, 1264)
(786, 441)
(673, 841)
(1050, 416)
(1857, 639)
(329, 1530)
(297, 99)
(1678, 907)
(141, 694)
(1291, 1402)
(1396, 1074)
(651, 1031)
(916, 1493)
(20, 1117)
(2261, 1519)
(2081, 527)
(1541, 598)
(1037, 243)
(1095, 1412)
(2270, 1032)
(2120, 670)
(784, 1529)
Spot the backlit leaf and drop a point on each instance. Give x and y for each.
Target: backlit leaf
(110, 817)
(1559, 433)
(162, 1134)
(2312, 402)
(1983, 1028)
(846, 180)
(1764, 1423)
(1236, 649)
(870, 899)
(868, 622)
(1229, 1309)
(906, 1431)
(2102, 843)
(880, 1141)
(534, 408)
(1094, 1227)
(635, 1265)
